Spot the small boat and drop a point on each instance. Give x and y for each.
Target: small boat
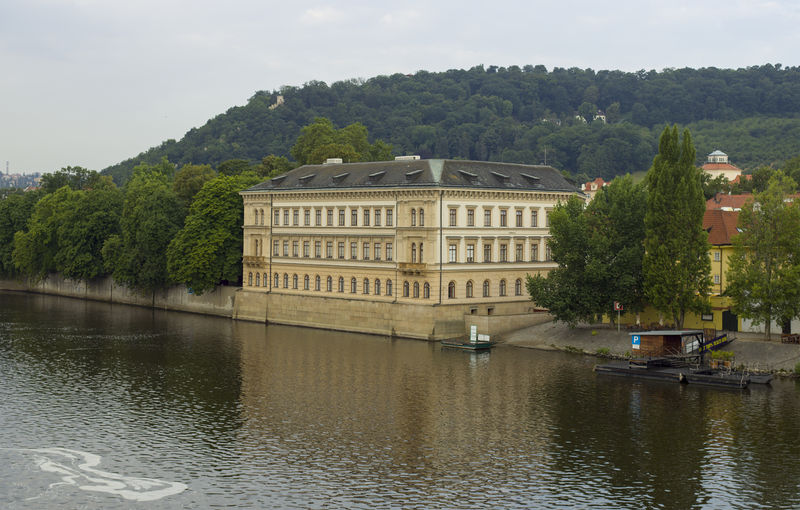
(470, 346)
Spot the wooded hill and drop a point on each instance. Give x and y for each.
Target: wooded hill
(523, 115)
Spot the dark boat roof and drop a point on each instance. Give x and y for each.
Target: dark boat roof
(421, 173)
(669, 332)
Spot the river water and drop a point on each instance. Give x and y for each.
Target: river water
(110, 406)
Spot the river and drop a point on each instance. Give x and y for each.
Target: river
(111, 406)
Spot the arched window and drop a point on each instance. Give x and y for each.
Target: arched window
(258, 280)
(485, 288)
(420, 253)
(305, 282)
(413, 253)
(262, 216)
(377, 287)
(341, 284)
(451, 290)
(265, 280)
(469, 288)
(285, 280)
(294, 281)
(518, 287)
(330, 284)
(413, 217)
(405, 289)
(388, 287)
(277, 280)
(317, 282)
(502, 287)
(365, 286)
(422, 217)
(250, 279)
(353, 284)
(416, 289)
(426, 291)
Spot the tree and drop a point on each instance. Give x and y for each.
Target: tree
(15, 209)
(599, 253)
(208, 249)
(321, 140)
(189, 180)
(676, 264)
(272, 166)
(763, 272)
(233, 167)
(75, 177)
(151, 216)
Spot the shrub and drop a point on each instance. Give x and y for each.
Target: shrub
(603, 351)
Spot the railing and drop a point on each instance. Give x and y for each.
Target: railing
(252, 260)
(412, 267)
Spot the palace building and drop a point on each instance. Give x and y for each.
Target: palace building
(413, 248)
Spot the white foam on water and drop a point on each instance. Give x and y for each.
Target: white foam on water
(78, 468)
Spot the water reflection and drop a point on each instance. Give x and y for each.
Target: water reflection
(248, 415)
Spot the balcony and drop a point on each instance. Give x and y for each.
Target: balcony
(412, 268)
(253, 261)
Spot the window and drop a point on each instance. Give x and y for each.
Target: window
(258, 280)
(487, 217)
(547, 219)
(341, 284)
(318, 249)
(451, 290)
(503, 218)
(518, 287)
(353, 217)
(286, 217)
(329, 284)
(296, 217)
(716, 256)
(469, 289)
(519, 217)
(341, 250)
(365, 251)
(413, 253)
(341, 217)
(377, 287)
(305, 282)
(534, 252)
(420, 253)
(388, 287)
(329, 217)
(318, 217)
(295, 245)
(275, 248)
(503, 252)
(294, 281)
(353, 251)
(485, 288)
(277, 280)
(353, 285)
(389, 251)
(413, 217)
(487, 252)
(329, 249)
(452, 217)
(716, 279)
(286, 248)
(421, 217)
(548, 256)
(389, 217)
(277, 219)
(377, 218)
(426, 291)
(365, 286)
(377, 251)
(306, 249)
(518, 255)
(405, 289)
(250, 279)
(470, 253)
(416, 289)
(452, 252)
(317, 282)
(534, 218)
(285, 280)
(366, 217)
(307, 217)
(502, 287)
(470, 217)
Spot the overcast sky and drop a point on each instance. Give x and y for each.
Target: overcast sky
(93, 82)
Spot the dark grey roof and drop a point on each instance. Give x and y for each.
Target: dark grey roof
(446, 173)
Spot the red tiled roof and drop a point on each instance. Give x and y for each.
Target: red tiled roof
(723, 201)
(742, 177)
(721, 166)
(720, 225)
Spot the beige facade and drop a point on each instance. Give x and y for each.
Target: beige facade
(444, 251)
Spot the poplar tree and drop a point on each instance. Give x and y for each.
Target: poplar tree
(676, 265)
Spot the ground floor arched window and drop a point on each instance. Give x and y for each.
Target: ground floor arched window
(469, 289)
(451, 290)
(518, 287)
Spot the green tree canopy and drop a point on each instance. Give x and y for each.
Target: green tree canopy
(75, 177)
(321, 140)
(208, 249)
(15, 209)
(676, 264)
(764, 273)
(233, 167)
(189, 180)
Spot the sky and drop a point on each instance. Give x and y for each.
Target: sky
(94, 82)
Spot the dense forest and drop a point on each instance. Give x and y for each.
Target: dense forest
(524, 115)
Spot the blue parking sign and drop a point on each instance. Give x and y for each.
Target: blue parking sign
(636, 341)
